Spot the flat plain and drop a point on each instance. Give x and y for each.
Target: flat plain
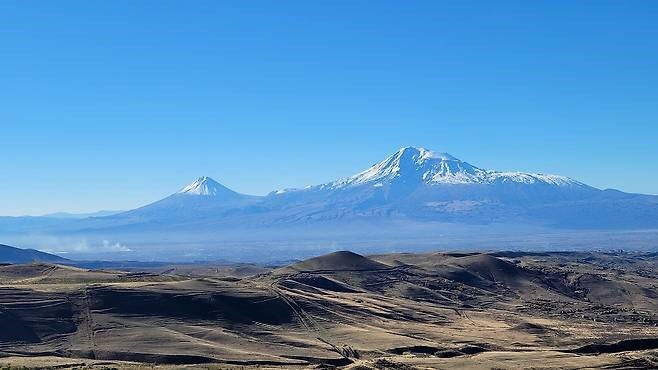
(499, 310)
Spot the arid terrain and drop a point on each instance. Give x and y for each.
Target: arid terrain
(397, 311)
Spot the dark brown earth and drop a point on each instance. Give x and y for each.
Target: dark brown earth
(395, 311)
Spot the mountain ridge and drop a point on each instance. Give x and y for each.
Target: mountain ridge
(413, 183)
(437, 168)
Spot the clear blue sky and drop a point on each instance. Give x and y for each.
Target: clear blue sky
(113, 104)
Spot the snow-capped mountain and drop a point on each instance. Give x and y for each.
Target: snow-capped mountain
(200, 198)
(423, 166)
(418, 182)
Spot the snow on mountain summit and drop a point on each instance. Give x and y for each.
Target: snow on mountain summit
(201, 196)
(424, 166)
(206, 186)
(425, 154)
(418, 164)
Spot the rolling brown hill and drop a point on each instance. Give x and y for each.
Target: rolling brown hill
(399, 311)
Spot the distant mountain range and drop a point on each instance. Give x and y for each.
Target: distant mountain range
(81, 215)
(411, 188)
(414, 184)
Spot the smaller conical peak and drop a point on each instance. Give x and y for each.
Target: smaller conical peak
(204, 185)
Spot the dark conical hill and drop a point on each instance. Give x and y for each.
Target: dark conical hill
(342, 260)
